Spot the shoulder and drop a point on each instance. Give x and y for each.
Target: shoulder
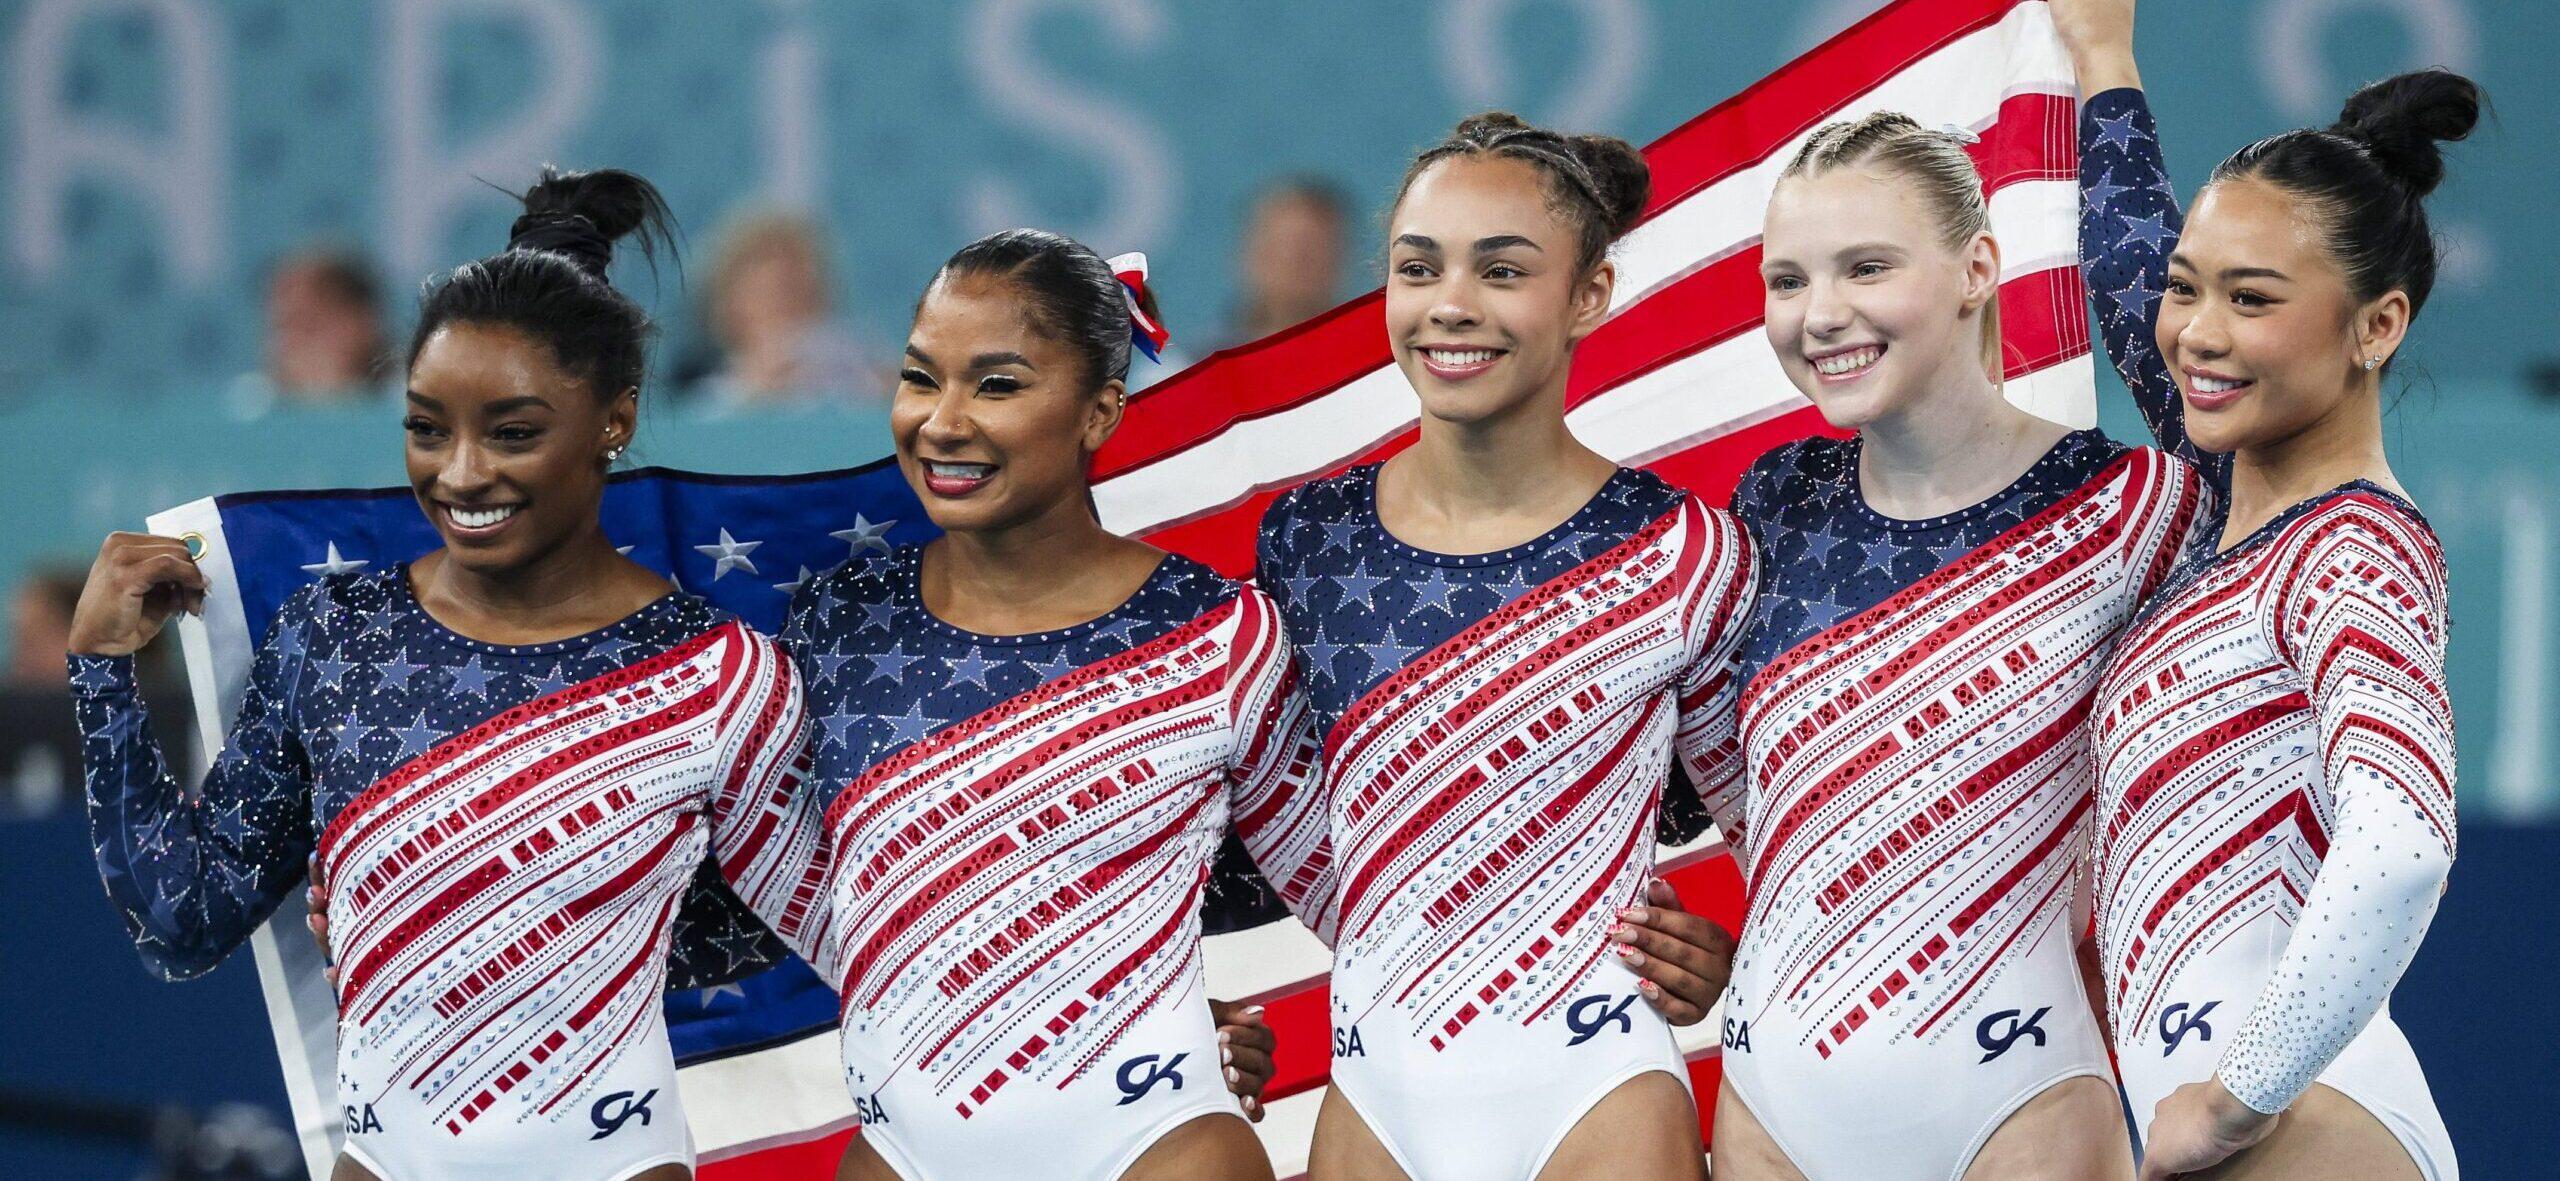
(1814, 455)
(342, 601)
(1783, 473)
(1330, 499)
(862, 578)
(2363, 532)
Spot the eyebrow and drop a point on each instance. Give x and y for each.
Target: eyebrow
(982, 361)
(2233, 272)
(500, 406)
(1486, 245)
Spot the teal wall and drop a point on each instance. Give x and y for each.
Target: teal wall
(155, 155)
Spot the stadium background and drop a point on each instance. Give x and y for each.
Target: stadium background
(158, 157)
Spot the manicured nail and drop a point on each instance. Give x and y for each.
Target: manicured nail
(1253, 1010)
(1226, 1055)
(1631, 955)
(1650, 988)
(1631, 913)
(1231, 1074)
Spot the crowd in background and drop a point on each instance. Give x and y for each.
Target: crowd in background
(769, 329)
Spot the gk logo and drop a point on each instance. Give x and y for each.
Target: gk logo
(1588, 1016)
(617, 1109)
(2002, 1030)
(2176, 1022)
(1134, 1087)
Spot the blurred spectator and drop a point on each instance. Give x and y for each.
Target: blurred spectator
(325, 338)
(40, 628)
(1290, 267)
(770, 312)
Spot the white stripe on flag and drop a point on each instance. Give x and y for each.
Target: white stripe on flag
(219, 652)
(785, 1094)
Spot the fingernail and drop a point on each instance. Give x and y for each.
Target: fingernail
(1630, 912)
(1231, 1074)
(1631, 955)
(1650, 988)
(1255, 1010)
(1226, 1055)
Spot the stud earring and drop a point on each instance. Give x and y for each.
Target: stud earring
(2372, 363)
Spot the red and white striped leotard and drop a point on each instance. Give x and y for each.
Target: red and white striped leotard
(1920, 775)
(2276, 752)
(1019, 833)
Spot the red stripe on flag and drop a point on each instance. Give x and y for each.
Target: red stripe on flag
(805, 1161)
(2033, 137)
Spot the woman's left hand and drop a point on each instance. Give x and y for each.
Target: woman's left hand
(1680, 959)
(2198, 1126)
(1245, 1045)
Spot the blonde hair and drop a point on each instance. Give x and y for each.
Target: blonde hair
(1936, 165)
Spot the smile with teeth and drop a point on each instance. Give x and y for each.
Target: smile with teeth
(1851, 361)
(959, 471)
(2214, 385)
(479, 518)
(1459, 358)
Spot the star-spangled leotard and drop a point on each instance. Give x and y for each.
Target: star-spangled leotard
(1497, 729)
(1019, 831)
(1918, 775)
(2276, 749)
(508, 832)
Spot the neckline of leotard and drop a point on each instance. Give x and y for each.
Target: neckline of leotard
(2203, 553)
(909, 582)
(2298, 509)
(647, 613)
(1579, 522)
(2064, 450)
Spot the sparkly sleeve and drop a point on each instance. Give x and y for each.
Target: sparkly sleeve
(2129, 222)
(1277, 800)
(2360, 618)
(764, 827)
(196, 872)
(1708, 741)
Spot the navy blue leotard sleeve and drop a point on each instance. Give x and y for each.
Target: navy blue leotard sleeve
(196, 872)
(2129, 222)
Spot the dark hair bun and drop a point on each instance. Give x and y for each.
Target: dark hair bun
(582, 214)
(1622, 177)
(2403, 118)
(1485, 125)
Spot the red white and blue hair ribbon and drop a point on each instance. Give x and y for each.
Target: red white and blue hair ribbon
(1144, 331)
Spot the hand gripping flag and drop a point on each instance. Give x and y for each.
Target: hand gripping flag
(1678, 380)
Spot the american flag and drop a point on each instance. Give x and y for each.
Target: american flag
(1678, 380)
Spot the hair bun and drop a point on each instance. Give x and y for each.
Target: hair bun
(1619, 172)
(582, 214)
(2402, 119)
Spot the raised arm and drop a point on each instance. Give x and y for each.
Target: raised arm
(2129, 218)
(193, 872)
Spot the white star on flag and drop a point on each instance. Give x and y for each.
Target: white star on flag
(729, 554)
(793, 587)
(864, 535)
(705, 996)
(334, 564)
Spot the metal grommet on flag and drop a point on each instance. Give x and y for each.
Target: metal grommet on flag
(1149, 336)
(195, 545)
